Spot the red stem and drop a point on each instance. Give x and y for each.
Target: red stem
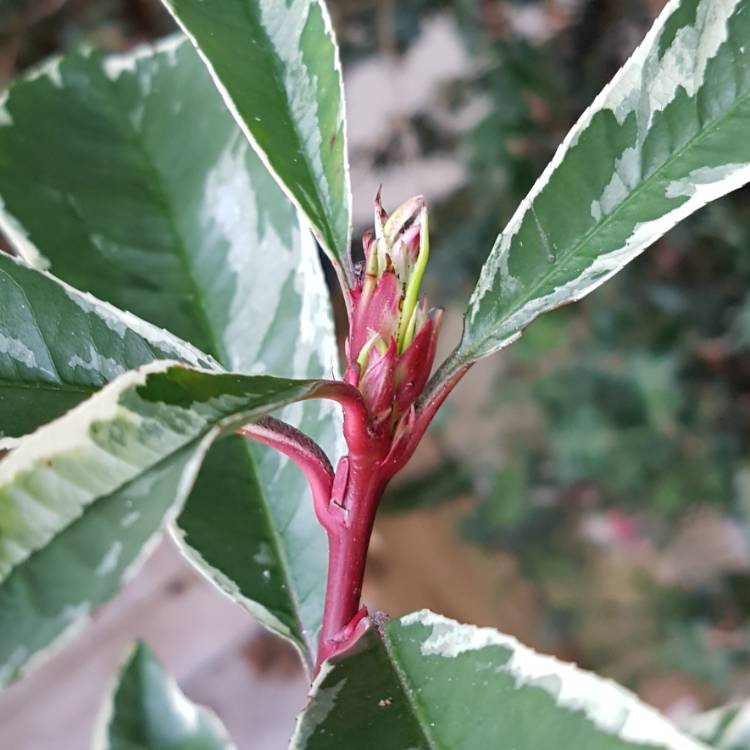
(368, 471)
(356, 417)
(347, 554)
(346, 503)
(304, 452)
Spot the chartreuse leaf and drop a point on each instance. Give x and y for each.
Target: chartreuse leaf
(59, 345)
(130, 179)
(426, 682)
(135, 444)
(148, 711)
(724, 728)
(665, 137)
(277, 66)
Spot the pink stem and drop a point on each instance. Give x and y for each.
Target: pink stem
(304, 452)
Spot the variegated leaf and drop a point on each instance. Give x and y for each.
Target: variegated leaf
(666, 136)
(59, 345)
(81, 484)
(204, 244)
(278, 69)
(148, 711)
(424, 682)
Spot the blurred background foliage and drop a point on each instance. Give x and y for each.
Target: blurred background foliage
(607, 456)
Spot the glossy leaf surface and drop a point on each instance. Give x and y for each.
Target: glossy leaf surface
(207, 246)
(59, 345)
(277, 66)
(141, 437)
(428, 682)
(147, 710)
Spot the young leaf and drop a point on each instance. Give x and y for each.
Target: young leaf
(277, 67)
(425, 681)
(665, 137)
(59, 345)
(147, 710)
(153, 419)
(207, 246)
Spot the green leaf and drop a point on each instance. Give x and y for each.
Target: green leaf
(97, 186)
(59, 345)
(50, 595)
(724, 728)
(137, 442)
(278, 69)
(148, 711)
(249, 525)
(207, 246)
(425, 682)
(665, 137)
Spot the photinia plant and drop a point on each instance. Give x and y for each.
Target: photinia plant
(186, 189)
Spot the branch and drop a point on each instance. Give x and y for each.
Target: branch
(304, 452)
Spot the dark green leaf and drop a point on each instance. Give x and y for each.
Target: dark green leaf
(426, 682)
(148, 711)
(58, 346)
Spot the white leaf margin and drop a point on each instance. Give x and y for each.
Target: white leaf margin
(609, 706)
(340, 259)
(615, 96)
(120, 321)
(82, 618)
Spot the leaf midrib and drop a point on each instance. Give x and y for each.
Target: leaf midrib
(278, 70)
(417, 711)
(474, 352)
(290, 589)
(41, 385)
(180, 245)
